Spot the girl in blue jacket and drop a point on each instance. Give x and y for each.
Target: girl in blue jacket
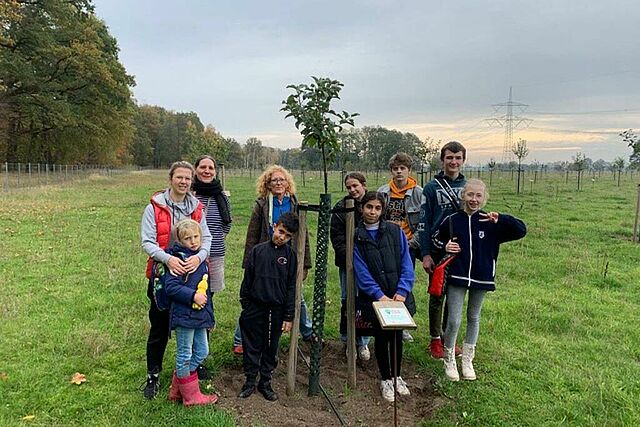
(191, 315)
(475, 237)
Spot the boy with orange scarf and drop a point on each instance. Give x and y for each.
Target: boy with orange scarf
(404, 198)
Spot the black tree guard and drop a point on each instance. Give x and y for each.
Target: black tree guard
(319, 292)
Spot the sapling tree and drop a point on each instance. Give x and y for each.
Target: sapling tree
(618, 166)
(319, 124)
(492, 166)
(428, 152)
(579, 164)
(512, 166)
(521, 152)
(535, 165)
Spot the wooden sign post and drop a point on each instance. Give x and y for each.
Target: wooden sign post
(292, 365)
(351, 299)
(635, 225)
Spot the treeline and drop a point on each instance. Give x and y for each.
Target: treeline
(65, 98)
(162, 137)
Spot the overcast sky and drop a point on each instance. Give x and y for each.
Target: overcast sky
(435, 68)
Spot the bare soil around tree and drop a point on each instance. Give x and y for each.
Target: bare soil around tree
(363, 406)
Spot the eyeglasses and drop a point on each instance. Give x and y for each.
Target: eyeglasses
(278, 181)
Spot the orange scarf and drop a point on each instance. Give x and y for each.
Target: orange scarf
(398, 193)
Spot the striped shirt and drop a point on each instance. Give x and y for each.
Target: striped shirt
(217, 228)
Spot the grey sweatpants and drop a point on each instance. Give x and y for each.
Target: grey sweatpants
(455, 302)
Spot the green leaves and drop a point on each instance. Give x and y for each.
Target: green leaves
(64, 96)
(319, 124)
(633, 141)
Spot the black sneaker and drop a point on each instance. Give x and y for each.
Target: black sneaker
(203, 373)
(267, 392)
(151, 387)
(247, 390)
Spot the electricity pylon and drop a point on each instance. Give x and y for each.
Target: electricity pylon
(509, 122)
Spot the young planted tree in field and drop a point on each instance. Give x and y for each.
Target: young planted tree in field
(428, 152)
(521, 152)
(492, 166)
(599, 165)
(579, 164)
(319, 124)
(618, 166)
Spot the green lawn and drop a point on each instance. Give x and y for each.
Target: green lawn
(559, 339)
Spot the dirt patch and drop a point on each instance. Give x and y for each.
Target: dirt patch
(361, 407)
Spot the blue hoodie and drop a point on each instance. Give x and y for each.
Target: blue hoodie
(181, 290)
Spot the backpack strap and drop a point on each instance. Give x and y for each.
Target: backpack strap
(453, 198)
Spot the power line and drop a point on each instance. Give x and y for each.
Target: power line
(579, 79)
(580, 113)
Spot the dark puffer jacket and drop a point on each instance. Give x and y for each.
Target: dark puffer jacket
(181, 290)
(387, 265)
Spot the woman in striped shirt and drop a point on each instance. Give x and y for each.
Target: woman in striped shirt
(208, 190)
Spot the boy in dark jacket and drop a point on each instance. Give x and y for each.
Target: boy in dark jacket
(191, 314)
(267, 296)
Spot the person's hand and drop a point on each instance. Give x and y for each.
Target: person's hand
(384, 298)
(398, 297)
(192, 263)
(305, 273)
(286, 326)
(176, 266)
(428, 264)
(200, 300)
(491, 216)
(452, 247)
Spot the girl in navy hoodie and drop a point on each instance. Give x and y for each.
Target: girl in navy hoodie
(383, 271)
(475, 237)
(191, 315)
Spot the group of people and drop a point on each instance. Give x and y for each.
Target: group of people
(183, 231)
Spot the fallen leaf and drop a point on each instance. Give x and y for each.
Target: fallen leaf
(29, 418)
(78, 378)
(4, 376)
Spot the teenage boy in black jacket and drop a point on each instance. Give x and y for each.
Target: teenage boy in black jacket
(267, 297)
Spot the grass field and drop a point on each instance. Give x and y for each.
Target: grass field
(559, 341)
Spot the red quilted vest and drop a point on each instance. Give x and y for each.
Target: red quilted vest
(162, 216)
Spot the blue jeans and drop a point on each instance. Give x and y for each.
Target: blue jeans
(193, 348)
(306, 329)
(360, 341)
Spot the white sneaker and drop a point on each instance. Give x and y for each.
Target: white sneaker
(386, 386)
(406, 336)
(364, 353)
(403, 390)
